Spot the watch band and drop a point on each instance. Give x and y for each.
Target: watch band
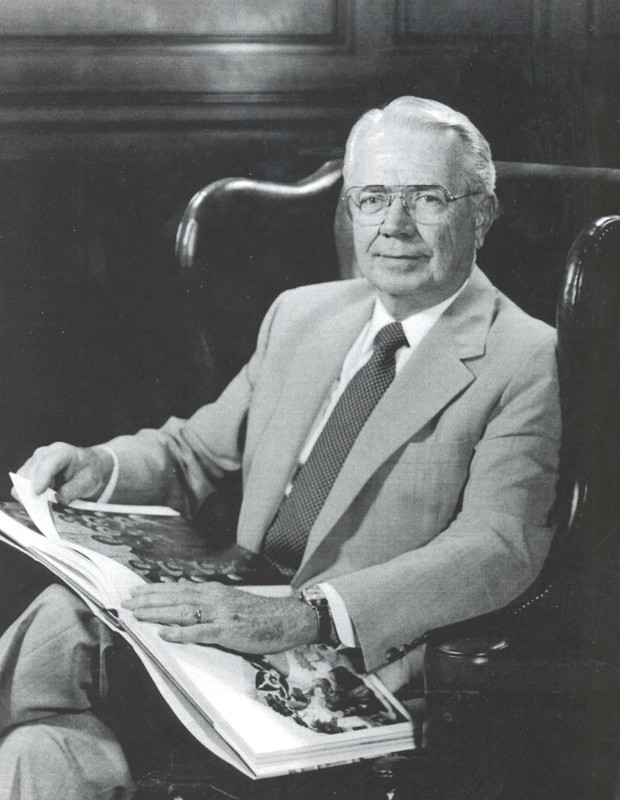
(315, 598)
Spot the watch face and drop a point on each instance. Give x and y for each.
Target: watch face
(314, 595)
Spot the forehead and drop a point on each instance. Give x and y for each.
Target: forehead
(391, 155)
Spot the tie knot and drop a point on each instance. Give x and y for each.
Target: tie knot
(389, 339)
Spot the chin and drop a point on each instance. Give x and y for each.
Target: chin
(399, 283)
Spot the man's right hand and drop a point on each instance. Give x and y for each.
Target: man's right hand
(75, 472)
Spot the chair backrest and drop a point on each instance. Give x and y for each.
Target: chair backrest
(584, 562)
(588, 323)
(241, 242)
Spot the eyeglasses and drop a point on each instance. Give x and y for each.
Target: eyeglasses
(428, 205)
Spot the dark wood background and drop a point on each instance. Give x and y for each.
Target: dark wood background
(113, 113)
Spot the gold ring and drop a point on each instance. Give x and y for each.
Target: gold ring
(198, 614)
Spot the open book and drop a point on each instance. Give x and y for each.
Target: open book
(245, 711)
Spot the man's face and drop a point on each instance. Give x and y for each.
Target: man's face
(412, 265)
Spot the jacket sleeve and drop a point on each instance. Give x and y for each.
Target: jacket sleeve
(496, 545)
(180, 463)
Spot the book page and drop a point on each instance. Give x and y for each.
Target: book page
(37, 505)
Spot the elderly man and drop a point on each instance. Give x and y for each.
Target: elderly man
(397, 434)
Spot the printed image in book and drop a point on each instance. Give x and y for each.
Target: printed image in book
(159, 548)
(323, 692)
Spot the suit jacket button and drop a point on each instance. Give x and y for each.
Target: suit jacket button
(392, 654)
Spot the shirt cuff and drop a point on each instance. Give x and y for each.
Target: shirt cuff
(107, 493)
(340, 616)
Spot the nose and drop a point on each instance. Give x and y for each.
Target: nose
(397, 220)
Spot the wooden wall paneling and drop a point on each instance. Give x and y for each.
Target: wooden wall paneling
(601, 80)
(283, 60)
(459, 20)
(508, 64)
(567, 84)
(216, 20)
(530, 72)
(604, 20)
(263, 49)
(477, 57)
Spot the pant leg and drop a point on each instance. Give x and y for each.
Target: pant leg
(51, 672)
(68, 757)
(21, 580)
(50, 658)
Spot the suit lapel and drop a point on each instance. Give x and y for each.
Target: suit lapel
(434, 375)
(316, 365)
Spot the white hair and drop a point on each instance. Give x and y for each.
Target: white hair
(413, 113)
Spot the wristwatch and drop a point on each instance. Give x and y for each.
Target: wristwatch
(315, 598)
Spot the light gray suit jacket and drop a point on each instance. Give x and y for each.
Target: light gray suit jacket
(441, 511)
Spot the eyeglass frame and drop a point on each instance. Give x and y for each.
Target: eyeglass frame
(450, 198)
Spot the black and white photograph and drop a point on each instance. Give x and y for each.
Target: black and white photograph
(310, 423)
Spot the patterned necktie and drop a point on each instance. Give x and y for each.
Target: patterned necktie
(285, 541)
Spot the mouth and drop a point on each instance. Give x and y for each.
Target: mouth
(402, 256)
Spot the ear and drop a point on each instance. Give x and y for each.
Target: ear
(485, 214)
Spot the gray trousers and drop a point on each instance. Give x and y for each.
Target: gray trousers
(52, 745)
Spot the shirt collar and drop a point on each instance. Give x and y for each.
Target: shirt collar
(416, 325)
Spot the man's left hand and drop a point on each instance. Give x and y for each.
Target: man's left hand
(210, 613)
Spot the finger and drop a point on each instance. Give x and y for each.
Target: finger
(153, 588)
(82, 484)
(170, 615)
(47, 463)
(181, 592)
(154, 601)
(164, 598)
(204, 584)
(182, 585)
(194, 634)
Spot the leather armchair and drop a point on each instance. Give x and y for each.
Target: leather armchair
(534, 684)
